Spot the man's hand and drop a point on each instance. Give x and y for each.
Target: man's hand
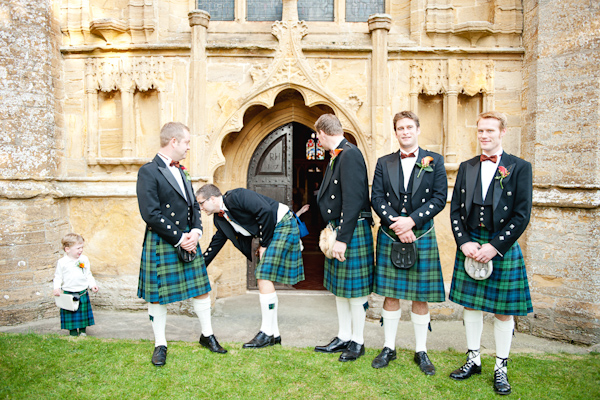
(261, 250)
(407, 237)
(339, 251)
(190, 242)
(402, 225)
(469, 249)
(56, 292)
(485, 253)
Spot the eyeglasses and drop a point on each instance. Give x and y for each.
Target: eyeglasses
(202, 202)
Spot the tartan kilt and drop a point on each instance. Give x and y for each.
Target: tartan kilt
(166, 279)
(505, 292)
(282, 260)
(81, 318)
(353, 277)
(422, 282)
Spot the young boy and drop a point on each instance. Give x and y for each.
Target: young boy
(73, 276)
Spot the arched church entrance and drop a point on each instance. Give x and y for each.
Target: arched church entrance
(288, 166)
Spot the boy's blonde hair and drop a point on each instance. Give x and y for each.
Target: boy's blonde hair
(71, 239)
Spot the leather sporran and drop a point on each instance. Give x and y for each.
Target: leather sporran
(404, 255)
(478, 271)
(327, 239)
(185, 256)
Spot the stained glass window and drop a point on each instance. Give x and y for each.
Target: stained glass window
(314, 150)
(359, 10)
(219, 10)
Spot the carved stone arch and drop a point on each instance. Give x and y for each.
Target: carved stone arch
(266, 98)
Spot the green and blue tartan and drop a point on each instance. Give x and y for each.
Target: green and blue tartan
(282, 260)
(353, 277)
(505, 292)
(421, 282)
(166, 279)
(81, 318)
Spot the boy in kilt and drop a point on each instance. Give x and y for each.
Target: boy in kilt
(242, 214)
(172, 215)
(73, 275)
(410, 187)
(490, 209)
(343, 200)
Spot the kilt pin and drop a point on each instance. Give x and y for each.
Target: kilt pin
(163, 278)
(506, 291)
(343, 200)
(424, 198)
(81, 318)
(257, 214)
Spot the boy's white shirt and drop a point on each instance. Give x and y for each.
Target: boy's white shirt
(68, 276)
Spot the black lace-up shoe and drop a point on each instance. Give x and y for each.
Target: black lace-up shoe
(384, 358)
(424, 363)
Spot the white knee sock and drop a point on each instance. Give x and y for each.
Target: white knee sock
(202, 309)
(344, 318)
(357, 309)
(274, 321)
(420, 325)
(473, 327)
(267, 308)
(390, 327)
(158, 318)
(503, 331)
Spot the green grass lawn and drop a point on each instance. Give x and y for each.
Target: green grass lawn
(58, 367)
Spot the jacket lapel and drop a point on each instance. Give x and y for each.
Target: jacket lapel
(162, 167)
(417, 180)
(393, 168)
(329, 172)
(506, 162)
(471, 182)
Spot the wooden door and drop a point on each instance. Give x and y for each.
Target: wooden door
(270, 174)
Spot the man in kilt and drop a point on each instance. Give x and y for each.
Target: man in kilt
(242, 214)
(490, 209)
(410, 187)
(343, 200)
(172, 215)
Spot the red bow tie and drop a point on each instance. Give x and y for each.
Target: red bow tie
(493, 159)
(174, 163)
(409, 155)
(221, 213)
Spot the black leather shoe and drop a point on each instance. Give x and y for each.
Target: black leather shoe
(210, 342)
(335, 346)
(276, 340)
(259, 341)
(464, 372)
(501, 385)
(384, 358)
(159, 357)
(424, 363)
(353, 351)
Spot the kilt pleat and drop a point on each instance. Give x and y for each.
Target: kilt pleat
(353, 277)
(282, 260)
(505, 292)
(164, 278)
(422, 282)
(81, 318)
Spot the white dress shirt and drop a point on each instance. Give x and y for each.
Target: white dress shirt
(488, 170)
(281, 211)
(408, 164)
(72, 278)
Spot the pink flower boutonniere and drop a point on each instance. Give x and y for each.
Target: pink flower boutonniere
(502, 173)
(185, 172)
(425, 165)
(334, 154)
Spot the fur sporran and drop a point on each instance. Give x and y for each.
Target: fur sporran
(327, 240)
(478, 271)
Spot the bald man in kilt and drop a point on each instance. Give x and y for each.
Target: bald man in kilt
(410, 187)
(242, 214)
(490, 209)
(172, 215)
(344, 203)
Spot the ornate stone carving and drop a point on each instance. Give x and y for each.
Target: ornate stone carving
(353, 102)
(433, 77)
(428, 76)
(141, 73)
(323, 70)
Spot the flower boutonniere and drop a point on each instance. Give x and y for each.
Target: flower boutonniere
(425, 164)
(80, 264)
(334, 154)
(186, 173)
(502, 173)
